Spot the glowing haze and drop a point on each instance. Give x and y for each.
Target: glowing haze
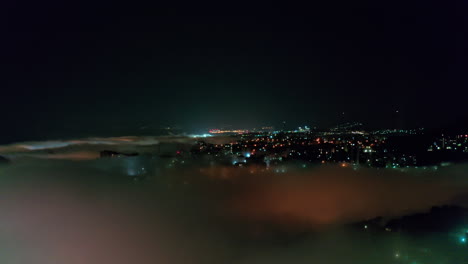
(85, 211)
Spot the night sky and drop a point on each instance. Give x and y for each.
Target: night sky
(105, 69)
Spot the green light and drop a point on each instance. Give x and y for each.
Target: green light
(463, 240)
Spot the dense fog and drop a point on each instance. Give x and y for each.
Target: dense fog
(70, 206)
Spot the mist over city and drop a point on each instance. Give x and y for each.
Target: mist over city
(146, 199)
(332, 133)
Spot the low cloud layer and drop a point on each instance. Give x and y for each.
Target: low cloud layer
(79, 211)
(332, 195)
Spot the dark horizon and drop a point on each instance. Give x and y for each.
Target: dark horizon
(103, 70)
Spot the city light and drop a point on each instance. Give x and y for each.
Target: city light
(200, 135)
(235, 131)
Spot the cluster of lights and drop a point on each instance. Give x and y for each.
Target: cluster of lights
(398, 131)
(458, 143)
(236, 131)
(344, 150)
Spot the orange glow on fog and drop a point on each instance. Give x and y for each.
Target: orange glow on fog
(331, 196)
